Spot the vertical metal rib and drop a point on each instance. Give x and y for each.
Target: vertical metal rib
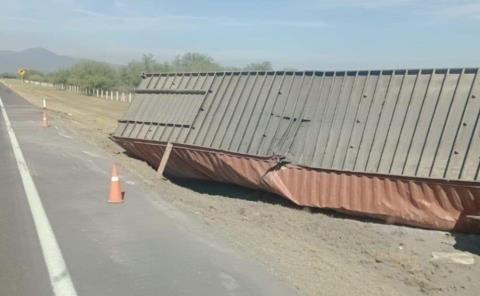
(366, 119)
(445, 123)
(355, 118)
(403, 122)
(418, 119)
(430, 122)
(385, 143)
(459, 127)
(378, 121)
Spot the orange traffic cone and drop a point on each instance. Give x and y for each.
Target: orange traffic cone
(44, 119)
(116, 194)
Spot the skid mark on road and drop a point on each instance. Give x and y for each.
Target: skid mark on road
(59, 277)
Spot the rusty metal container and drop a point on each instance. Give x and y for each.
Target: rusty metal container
(399, 145)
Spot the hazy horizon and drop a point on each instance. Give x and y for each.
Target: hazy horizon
(305, 34)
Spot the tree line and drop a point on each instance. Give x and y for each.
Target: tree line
(93, 74)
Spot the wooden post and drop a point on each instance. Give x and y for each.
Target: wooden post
(164, 160)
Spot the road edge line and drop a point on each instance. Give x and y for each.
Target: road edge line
(60, 279)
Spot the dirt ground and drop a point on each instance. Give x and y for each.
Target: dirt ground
(318, 252)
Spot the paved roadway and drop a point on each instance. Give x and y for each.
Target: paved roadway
(142, 247)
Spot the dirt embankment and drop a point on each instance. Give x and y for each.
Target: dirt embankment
(316, 251)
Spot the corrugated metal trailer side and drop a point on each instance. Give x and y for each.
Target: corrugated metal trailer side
(421, 123)
(400, 145)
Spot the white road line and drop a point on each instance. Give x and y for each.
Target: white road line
(57, 269)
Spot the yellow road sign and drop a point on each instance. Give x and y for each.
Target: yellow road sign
(22, 72)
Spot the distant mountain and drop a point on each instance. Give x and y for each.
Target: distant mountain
(34, 58)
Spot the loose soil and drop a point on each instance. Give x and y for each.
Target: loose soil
(318, 252)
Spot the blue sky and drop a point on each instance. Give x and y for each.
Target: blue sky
(304, 34)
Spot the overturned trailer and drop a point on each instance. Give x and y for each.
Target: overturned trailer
(399, 145)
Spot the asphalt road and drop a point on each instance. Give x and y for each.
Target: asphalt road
(144, 246)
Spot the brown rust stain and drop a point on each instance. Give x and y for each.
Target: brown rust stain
(428, 203)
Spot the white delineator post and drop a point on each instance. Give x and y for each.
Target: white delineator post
(44, 105)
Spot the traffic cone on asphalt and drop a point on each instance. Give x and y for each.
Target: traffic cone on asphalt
(116, 194)
(44, 119)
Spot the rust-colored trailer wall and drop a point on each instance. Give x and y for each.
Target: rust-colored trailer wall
(402, 145)
(417, 202)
